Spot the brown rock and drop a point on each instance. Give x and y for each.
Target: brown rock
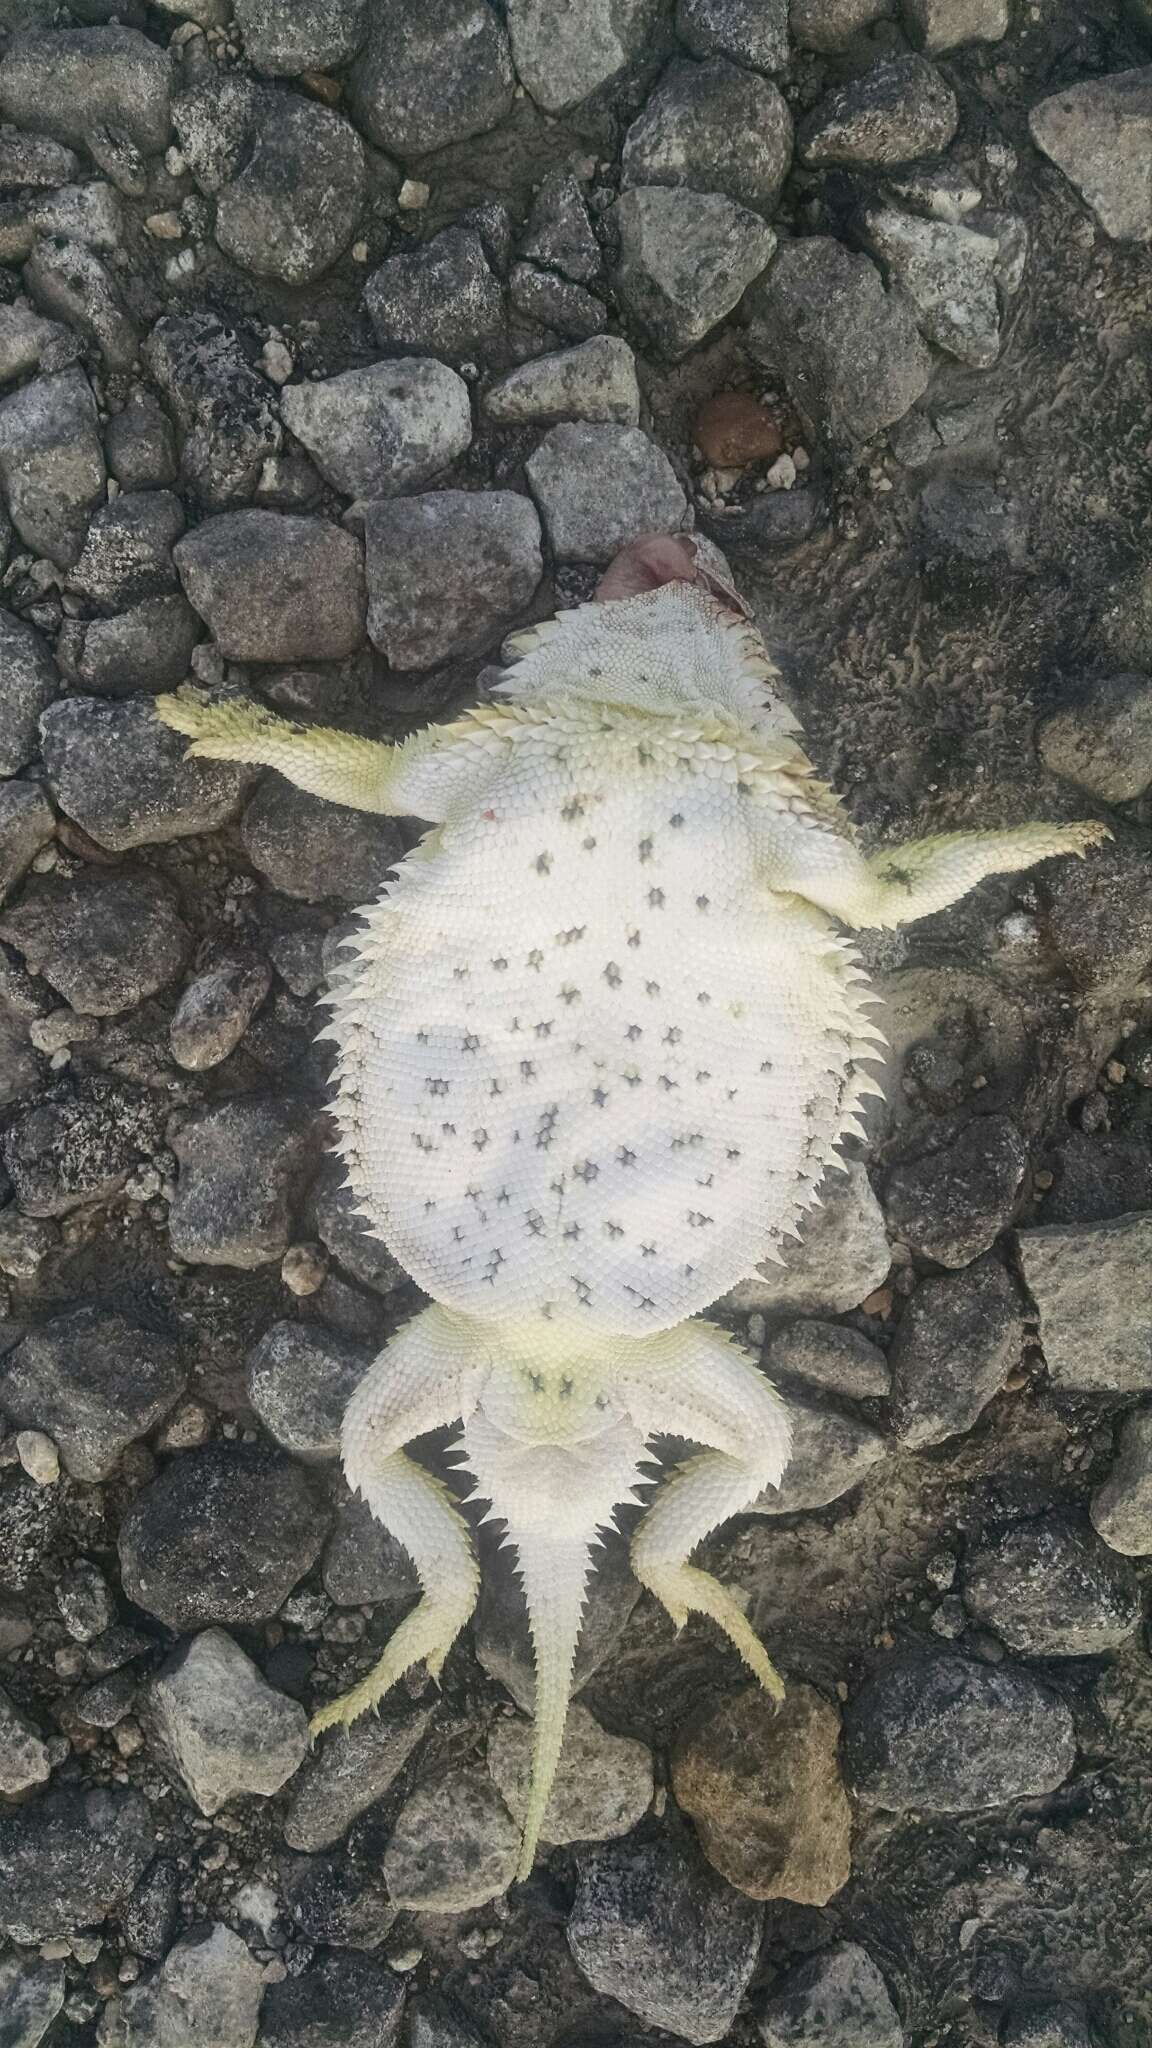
(763, 1785)
(732, 429)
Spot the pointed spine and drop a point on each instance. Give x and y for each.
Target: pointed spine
(554, 1575)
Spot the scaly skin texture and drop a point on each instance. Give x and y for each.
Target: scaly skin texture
(596, 1049)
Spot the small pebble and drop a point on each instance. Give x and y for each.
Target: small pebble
(38, 1455)
(304, 1268)
(277, 361)
(413, 195)
(165, 227)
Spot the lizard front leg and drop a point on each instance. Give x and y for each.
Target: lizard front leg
(338, 766)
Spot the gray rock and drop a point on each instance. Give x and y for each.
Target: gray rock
(842, 1257)
(286, 37)
(546, 300)
(442, 299)
(242, 1166)
(216, 1009)
(25, 340)
(559, 233)
(331, 1901)
(1099, 1174)
(31, 1995)
(315, 850)
(900, 110)
(149, 1917)
(300, 1380)
(222, 1535)
(447, 573)
(653, 1926)
(502, 1641)
(562, 57)
(1100, 919)
(95, 1383)
(848, 350)
(1050, 1588)
(139, 443)
(830, 1455)
(93, 214)
(347, 1774)
(950, 1736)
(104, 940)
(223, 1729)
(1099, 133)
(28, 683)
(431, 2026)
(958, 1339)
(69, 282)
(1121, 1508)
(127, 555)
(33, 160)
(1092, 1285)
(950, 1205)
(828, 1355)
(969, 520)
(603, 1786)
(832, 24)
(594, 382)
(226, 409)
(385, 428)
(949, 274)
(85, 1602)
(80, 1145)
(293, 208)
(836, 1997)
(686, 259)
(363, 1255)
(1052, 2024)
(27, 822)
(753, 32)
(146, 648)
(350, 2000)
(23, 1762)
(431, 76)
(107, 1703)
(73, 82)
(24, 1242)
(215, 122)
(363, 1564)
(206, 1994)
(716, 128)
(69, 1858)
(51, 463)
(454, 1845)
(1102, 740)
(598, 487)
(939, 25)
(272, 587)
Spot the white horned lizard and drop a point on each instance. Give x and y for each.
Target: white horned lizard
(598, 1045)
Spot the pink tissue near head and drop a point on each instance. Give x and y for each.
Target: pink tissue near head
(659, 558)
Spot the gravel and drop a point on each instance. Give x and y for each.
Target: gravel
(546, 300)
(52, 463)
(226, 410)
(124, 777)
(442, 299)
(105, 940)
(829, 1356)
(951, 1204)
(950, 274)
(563, 57)
(1122, 1507)
(1097, 133)
(842, 1257)
(1092, 1286)
(685, 261)
(242, 1169)
(271, 587)
(951, 1736)
(23, 1757)
(216, 1009)
(714, 127)
(448, 573)
(558, 233)
(294, 207)
(831, 1453)
(301, 1378)
(69, 1858)
(595, 382)
(900, 110)
(752, 32)
(148, 647)
(223, 1730)
(1102, 739)
(206, 1994)
(30, 683)
(72, 82)
(348, 1773)
(939, 25)
(287, 37)
(1050, 1588)
(385, 428)
(69, 282)
(31, 1995)
(95, 1383)
(352, 2001)
(454, 1846)
(603, 1786)
(432, 76)
(837, 1996)
(958, 1340)
(598, 487)
(315, 850)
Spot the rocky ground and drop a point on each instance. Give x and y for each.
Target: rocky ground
(334, 342)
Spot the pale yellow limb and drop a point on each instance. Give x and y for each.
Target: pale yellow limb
(339, 766)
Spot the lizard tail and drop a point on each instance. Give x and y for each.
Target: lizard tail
(554, 1575)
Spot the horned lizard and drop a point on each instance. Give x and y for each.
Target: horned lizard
(597, 1046)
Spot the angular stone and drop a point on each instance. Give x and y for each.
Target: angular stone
(753, 32)
(546, 300)
(1102, 740)
(1100, 919)
(831, 1453)
(95, 1382)
(286, 37)
(716, 128)
(272, 587)
(71, 82)
(432, 75)
(216, 1009)
(51, 463)
(127, 554)
(300, 1380)
(384, 428)
(595, 381)
(69, 282)
(763, 1785)
(31, 160)
(1050, 1588)
(836, 1997)
(686, 259)
(849, 350)
(140, 445)
(68, 1859)
(454, 1846)
(559, 233)
(828, 1355)
(104, 940)
(23, 1765)
(206, 1994)
(443, 298)
(28, 683)
(952, 1736)
(224, 1730)
(969, 520)
(831, 24)
(242, 1167)
(598, 487)
(949, 273)
(950, 1205)
(957, 1342)
(1092, 1285)
(363, 1254)
(363, 1564)
(80, 1146)
(503, 1643)
(222, 1535)
(1052, 2024)
(86, 1605)
(654, 1927)
(900, 110)
(563, 55)
(226, 409)
(93, 214)
(293, 208)
(348, 1773)
(31, 1995)
(216, 121)
(313, 850)
(27, 822)
(1099, 1174)
(603, 1786)
(843, 1256)
(939, 25)
(1121, 1508)
(25, 339)
(146, 648)
(1099, 133)
(124, 777)
(342, 2002)
(447, 573)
